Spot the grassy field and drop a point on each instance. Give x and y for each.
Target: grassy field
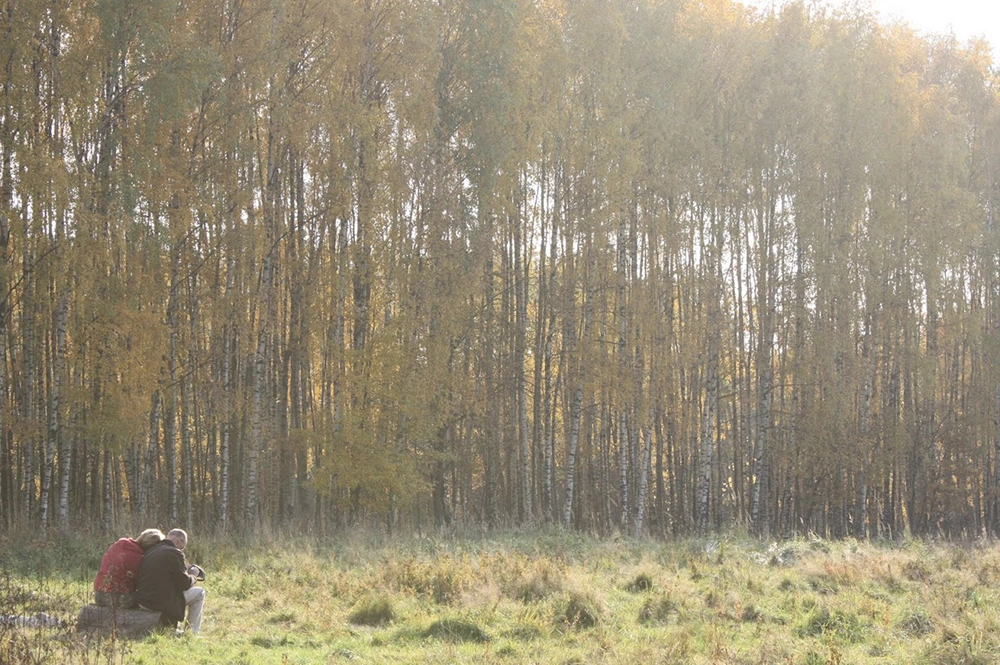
(545, 596)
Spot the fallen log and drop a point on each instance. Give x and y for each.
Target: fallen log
(118, 621)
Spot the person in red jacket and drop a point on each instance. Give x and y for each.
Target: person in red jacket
(116, 580)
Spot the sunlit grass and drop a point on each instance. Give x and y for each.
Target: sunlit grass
(544, 597)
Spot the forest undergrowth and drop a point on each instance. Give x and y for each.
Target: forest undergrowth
(540, 596)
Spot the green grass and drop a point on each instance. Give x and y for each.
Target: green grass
(542, 597)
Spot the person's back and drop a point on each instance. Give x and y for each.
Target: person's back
(115, 583)
(160, 587)
(116, 579)
(165, 586)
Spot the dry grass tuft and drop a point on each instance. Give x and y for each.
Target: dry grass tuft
(561, 598)
(582, 609)
(372, 610)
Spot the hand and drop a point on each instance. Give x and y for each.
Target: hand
(197, 572)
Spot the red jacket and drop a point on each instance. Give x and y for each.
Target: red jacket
(119, 567)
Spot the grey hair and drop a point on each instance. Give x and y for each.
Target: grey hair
(179, 535)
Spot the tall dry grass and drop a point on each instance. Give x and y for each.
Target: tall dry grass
(543, 597)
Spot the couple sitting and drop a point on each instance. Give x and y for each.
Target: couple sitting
(149, 572)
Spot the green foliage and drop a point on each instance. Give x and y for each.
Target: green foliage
(359, 471)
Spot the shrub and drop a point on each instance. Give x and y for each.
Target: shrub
(917, 623)
(442, 579)
(916, 571)
(750, 613)
(457, 630)
(540, 583)
(821, 621)
(582, 610)
(524, 632)
(640, 583)
(372, 611)
(660, 610)
(956, 653)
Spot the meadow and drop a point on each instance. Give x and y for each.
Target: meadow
(541, 596)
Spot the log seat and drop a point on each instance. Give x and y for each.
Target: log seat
(118, 621)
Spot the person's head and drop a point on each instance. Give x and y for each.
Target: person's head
(149, 537)
(178, 537)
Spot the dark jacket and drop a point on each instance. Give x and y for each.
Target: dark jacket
(163, 579)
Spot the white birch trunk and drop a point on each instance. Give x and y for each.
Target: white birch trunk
(48, 460)
(228, 345)
(623, 463)
(550, 442)
(759, 518)
(29, 347)
(707, 445)
(644, 473)
(623, 435)
(522, 381)
(257, 414)
(522, 419)
(170, 406)
(5, 199)
(186, 458)
(224, 477)
(107, 512)
(65, 444)
(148, 471)
(53, 444)
(867, 439)
(571, 449)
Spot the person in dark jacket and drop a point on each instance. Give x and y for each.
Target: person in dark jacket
(166, 586)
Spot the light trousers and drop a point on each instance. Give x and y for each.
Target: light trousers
(195, 599)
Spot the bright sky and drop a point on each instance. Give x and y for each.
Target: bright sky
(965, 18)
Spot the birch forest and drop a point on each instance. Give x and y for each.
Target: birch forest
(649, 267)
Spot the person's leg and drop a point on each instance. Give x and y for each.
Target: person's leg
(195, 599)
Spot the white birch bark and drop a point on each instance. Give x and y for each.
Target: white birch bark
(571, 451)
(521, 306)
(623, 466)
(576, 411)
(107, 503)
(257, 413)
(148, 470)
(706, 451)
(707, 444)
(644, 473)
(58, 441)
